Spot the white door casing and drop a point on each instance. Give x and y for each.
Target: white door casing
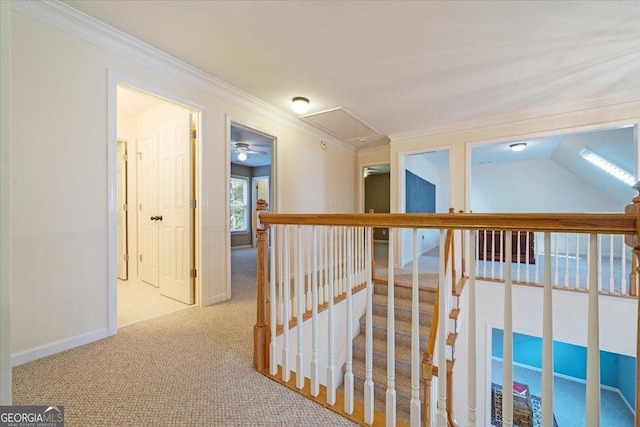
(176, 223)
(148, 208)
(122, 220)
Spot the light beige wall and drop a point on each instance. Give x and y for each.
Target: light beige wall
(60, 172)
(5, 203)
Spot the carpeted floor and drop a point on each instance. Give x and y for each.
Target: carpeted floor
(188, 368)
(496, 408)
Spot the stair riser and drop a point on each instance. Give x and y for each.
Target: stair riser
(400, 313)
(404, 293)
(401, 337)
(403, 367)
(403, 401)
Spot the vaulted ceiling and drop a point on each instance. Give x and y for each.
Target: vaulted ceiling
(399, 66)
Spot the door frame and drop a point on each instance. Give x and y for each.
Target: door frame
(116, 79)
(274, 202)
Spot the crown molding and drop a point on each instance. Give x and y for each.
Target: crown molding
(78, 24)
(590, 105)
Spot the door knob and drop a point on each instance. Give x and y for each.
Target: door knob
(159, 218)
(153, 218)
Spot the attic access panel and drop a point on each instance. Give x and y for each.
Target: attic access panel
(342, 124)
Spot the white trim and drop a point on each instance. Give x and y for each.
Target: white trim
(5, 203)
(116, 79)
(78, 24)
(57, 346)
(218, 298)
(236, 248)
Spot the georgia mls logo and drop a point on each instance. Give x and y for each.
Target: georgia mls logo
(31, 416)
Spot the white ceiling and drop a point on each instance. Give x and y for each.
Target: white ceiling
(399, 66)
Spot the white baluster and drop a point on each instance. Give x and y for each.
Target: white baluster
(528, 255)
(593, 339)
(443, 297)
(315, 380)
(336, 255)
(623, 255)
(415, 338)
(507, 352)
(557, 261)
(286, 371)
(471, 351)
(503, 254)
(327, 280)
(321, 271)
(577, 261)
(308, 272)
(537, 253)
(484, 266)
(518, 255)
(599, 262)
(348, 375)
(296, 296)
(299, 280)
(566, 260)
(493, 254)
(273, 366)
(280, 245)
(368, 376)
(390, 395)
(547, 337)
(611, 250)
(331, 368)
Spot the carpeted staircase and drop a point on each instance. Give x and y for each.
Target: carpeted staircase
(403, 346)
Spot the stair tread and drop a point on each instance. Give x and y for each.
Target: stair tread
(402, 352)
(425, 307)
(401, 326)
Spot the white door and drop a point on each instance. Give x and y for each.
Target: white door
(148, 209)
(121, 172)
(261, 190)
(176, 223)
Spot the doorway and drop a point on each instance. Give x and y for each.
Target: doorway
(251, 179)
(156, 221)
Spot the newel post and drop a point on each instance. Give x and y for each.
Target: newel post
(260, 342)
(634, 242)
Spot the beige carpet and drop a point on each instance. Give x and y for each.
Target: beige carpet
(188, 368)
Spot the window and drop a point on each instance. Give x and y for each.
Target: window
(238, 196)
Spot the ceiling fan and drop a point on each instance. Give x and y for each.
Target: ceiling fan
(244, 149)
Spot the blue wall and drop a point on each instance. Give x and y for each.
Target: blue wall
(616, 370)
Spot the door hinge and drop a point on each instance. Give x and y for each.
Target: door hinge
(140, 257)
(193, 134)
(125, 157)
(125, 207)
(126, 257)
(194, 204)
(194, 273)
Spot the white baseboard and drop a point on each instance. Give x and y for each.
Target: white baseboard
(57, 347)
(235, 248)
(216, 299)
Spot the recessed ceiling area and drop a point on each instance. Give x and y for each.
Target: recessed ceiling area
(256, 146)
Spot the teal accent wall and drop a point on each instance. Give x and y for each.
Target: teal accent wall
(616, 370)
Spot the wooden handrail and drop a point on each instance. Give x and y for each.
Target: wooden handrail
(601, 223)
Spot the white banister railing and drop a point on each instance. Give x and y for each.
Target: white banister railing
(335, 252)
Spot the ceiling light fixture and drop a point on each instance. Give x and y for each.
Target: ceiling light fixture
(607, 166)
(300, 104)
(518, 146)
(242, 156)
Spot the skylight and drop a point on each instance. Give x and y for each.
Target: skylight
(608, 167)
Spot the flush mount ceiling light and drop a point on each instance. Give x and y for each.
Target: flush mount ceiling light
(607, 166)
(518, 146)
(300, 104)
